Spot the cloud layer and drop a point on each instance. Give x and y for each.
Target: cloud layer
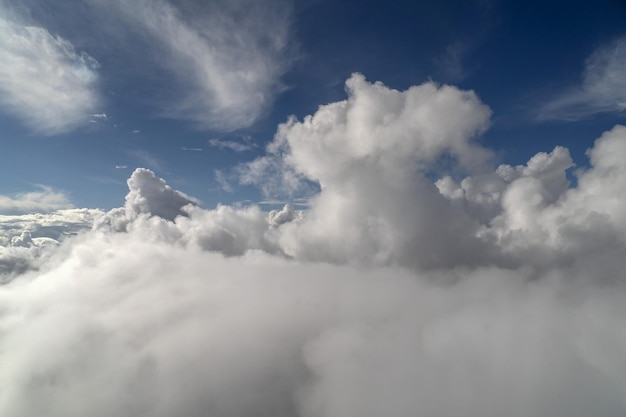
(44, 81)
(43, 201)
(420, 281)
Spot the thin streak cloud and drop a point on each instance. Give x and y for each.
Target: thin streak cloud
(603, 87)
(232, 145)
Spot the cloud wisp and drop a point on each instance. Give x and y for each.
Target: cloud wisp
(225, 58)
(44, 81)
(603, 88)
(487, 291)
(236, 146)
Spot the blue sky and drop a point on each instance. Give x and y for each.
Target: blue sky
(90, 90)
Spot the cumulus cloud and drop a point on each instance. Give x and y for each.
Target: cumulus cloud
(150, 196)
(44, 81)
(226, 57)
(603, 88)
(408, 287)
(370, 156)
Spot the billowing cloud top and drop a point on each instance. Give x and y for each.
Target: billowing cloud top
(408, 287)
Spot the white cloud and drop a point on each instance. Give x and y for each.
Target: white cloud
(369, 155)
(43, 201)
(226, 57)
(149, 196)
(393, 294)
(603, 88)
(44, 81)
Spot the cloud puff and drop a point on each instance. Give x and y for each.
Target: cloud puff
(404, 289)
(44, 81)
(603, 88)
(226, 57)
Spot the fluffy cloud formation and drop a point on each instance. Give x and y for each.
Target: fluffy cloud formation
(370, 156)
(226, 57)
(44, 81)
(603, 88)
(405, 289)
(149, 196)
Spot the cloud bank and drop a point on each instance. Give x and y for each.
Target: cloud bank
(44, 81)
(603, 88)
(43, 201)
(420, 281)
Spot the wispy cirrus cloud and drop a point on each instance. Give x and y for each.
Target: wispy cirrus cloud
(602, 90)
(44, 81)
(226, 57)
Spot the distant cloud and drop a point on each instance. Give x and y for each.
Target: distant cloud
(44, 201)
(44, 81)
(148, 195)
(191, 149)
(136, 131)
(54, 224)
(121, 166)
(101, 116)
(232, 145)
(28, 240)
(226, 57)
(603, 88)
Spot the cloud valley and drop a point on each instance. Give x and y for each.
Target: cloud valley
(404, 289)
